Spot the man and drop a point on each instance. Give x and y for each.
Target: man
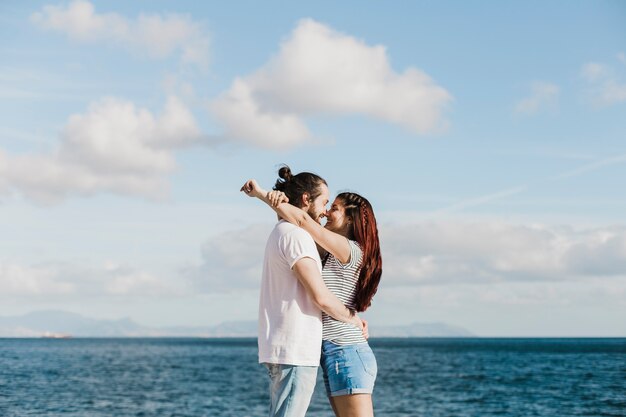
(293, 295)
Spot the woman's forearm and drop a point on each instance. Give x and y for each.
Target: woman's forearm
(289, 212)
(294, 215)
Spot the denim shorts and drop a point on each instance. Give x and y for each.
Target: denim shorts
(348, 369)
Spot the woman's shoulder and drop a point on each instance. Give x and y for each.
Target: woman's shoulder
(355, 246)
(356, 254)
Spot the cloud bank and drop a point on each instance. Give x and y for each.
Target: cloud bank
(449, 262)
(319, 71)
(444, 253)
(54, 281)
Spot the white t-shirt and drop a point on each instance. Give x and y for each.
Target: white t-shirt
(290, 325)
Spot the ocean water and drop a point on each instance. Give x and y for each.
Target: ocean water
(220, 377)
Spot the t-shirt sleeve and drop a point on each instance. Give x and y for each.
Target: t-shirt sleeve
(355, 255)
(298, 244)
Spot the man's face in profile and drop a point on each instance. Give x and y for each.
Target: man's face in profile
(317, 208)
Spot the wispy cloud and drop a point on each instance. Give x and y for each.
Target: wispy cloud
(613, 160)
(321, 71)
(606, 85)
(21, 135)
(158, 36)
(499, 195)
(29, 84)
(484, 199)
(543, 96)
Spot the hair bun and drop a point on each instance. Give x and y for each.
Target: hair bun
(285, 173)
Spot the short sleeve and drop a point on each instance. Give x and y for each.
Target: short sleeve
(298, 244)
(355, 255)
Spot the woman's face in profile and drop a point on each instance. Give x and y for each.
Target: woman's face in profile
(336, 219)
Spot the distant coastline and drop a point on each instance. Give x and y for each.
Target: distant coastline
(63, 325)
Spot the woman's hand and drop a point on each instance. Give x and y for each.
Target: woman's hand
(361, 324)
(252, 189)
(365, 329)
(276, 198)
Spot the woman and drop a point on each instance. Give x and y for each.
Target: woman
(352, 271)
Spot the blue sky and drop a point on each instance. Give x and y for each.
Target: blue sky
(488, 136)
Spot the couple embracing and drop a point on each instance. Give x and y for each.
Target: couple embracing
(310, 295)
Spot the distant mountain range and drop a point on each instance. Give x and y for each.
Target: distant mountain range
(60, 324)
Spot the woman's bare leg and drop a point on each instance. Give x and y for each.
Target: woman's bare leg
(355, 405)
(332, 404)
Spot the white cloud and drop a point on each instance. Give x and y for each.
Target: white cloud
(56, 281)
(606, 86)
(319, 71)
(543, 96)
(123, 280)
(18, 280)
(231, 260)
(244, 119)
(593, 71)
(158, 36)
(114, 147)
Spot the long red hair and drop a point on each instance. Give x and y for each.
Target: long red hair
(365, 231)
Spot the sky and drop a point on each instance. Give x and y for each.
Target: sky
(488, 136)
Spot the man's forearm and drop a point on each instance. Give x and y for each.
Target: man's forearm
(331, 305)
(309, 275)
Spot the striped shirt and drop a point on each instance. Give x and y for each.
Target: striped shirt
(341, 280)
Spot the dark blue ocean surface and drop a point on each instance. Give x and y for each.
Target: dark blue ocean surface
(220, 377)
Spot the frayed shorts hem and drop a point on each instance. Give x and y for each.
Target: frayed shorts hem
(351, 391)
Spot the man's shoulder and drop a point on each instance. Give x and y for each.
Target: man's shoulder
(291, 231)
(294, 243)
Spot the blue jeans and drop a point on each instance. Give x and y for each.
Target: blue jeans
(291, 388)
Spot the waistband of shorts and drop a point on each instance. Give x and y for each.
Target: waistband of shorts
(328, 346)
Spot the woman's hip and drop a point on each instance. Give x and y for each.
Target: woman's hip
(348, 369)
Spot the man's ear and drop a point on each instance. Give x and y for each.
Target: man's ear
(305, 199)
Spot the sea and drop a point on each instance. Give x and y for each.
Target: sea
(221, 377)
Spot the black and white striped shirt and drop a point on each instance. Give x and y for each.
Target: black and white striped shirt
(341, 280)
